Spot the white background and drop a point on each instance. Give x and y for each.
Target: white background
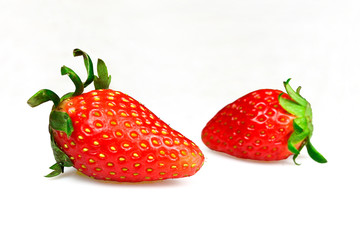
(184, 60)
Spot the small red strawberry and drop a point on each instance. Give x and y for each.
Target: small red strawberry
(108, 135)
(263, 125)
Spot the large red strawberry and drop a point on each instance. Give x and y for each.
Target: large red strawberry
(263, 125)
(108, 135)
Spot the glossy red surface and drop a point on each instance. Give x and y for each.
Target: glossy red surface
(117, 138)
(254, 126)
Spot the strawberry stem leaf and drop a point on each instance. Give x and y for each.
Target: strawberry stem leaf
(314, 154)
(42, 96)
(303, 127)
(295, 95)
(291, 106)
(103, 80)
(66, 96)
(88, 64)
(62, 160)
(57, 170)
(296, 138)
(61, 121)
(79, 86)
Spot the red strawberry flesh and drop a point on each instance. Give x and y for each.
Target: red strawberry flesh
(264, 125)
(117, 138)
(254, 127)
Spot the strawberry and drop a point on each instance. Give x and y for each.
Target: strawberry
(108, 135)
(263, 125)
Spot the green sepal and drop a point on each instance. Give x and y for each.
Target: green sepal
(303, 127)
(42, 96)
(79, 86)
(103, 80)
(62, 160)
(301, 132)
(61, 121)
(299, 124)
(88, 64)
(60, 157)
(314, 154)
(57, 170)
(291, 145)
(295, 95)
(295, 138)
(66, 96)
(291, 106)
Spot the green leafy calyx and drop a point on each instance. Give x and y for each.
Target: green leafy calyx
(103, 81)
(60, 120)
(303, 127)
